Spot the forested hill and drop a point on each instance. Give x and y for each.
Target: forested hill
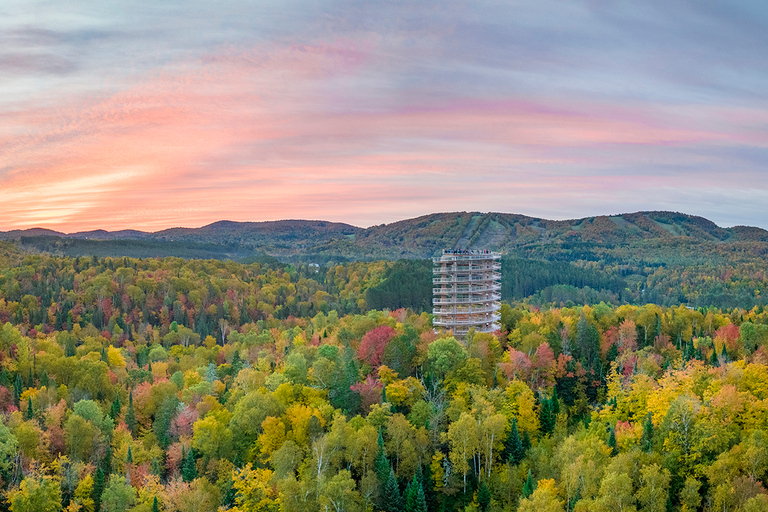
(421, 237)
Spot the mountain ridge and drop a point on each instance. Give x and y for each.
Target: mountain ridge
(426, 235)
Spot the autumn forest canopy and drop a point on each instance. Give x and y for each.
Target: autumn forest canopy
(627, 375)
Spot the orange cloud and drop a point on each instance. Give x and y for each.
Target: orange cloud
(293, 133)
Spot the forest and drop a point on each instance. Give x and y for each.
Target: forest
(165, 384)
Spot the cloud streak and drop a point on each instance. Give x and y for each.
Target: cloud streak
(336, 116)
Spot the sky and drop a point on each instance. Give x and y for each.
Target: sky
(149, 115)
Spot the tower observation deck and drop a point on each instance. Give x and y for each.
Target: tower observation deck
(466, 291)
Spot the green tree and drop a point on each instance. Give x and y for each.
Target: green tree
(118, 495)
(484, 497)
(513, 446)
(37, 493)
(391, 500)
(528, 487)
(654, 489)
(98, 488)
(130, 415)
(188, 468)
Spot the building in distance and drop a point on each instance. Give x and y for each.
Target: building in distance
(466, 291)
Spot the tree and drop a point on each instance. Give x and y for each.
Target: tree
(513, 446)
(37, 493)
(130, 415)
(528, 487)
(543, 499)
(445, 355)
(114, 410)
(8, 447)
(254, 492)
(654, 489)
(188, 468)
(118, 495)
(374, 343)
(390, 495)
(463, 439)
(339, 493)
(647, 439)
(484, 497)
(612, 443)
(98, 488)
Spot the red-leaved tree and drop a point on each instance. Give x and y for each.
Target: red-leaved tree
(373, 344)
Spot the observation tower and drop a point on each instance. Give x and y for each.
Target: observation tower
(467, 291)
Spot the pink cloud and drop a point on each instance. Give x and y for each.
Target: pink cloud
(281, 133)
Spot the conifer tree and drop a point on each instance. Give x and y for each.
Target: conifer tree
(529, 485)
(114, 411)
(546, 416)
(724, 354)
(555, 402)
(427, 486)
(484, 497)
(381, 464)
(30, 412)
(155, 507)
(647, 439)
(189, 469)
(415, 500)
(391, 500)
(612, 443)
(513, 445)
(130, 416)
(18, 387)
(98, 488)
(154, 467)
(106, 462)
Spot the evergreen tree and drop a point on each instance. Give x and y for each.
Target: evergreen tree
(130, 416)
(154, 467)
(555, 403)
(189, 469)
(114, 411)
(647, 439)
(381, 464)
(546, 416)
(612, 443)
(129, 458)
(18, 387)
(724, 354)
(527, 441)
(163, 420)
(30, 412)
(98, 488)
(390, 495)
(429, 490)
(484, 497)
(529, 485)
(155, 507)
(106, 462)
(513, 445)
(44, 378)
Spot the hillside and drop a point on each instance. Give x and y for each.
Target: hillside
(423, 237)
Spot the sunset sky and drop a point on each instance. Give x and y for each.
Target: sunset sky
(148, 115)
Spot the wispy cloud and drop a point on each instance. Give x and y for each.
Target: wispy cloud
(369, 114)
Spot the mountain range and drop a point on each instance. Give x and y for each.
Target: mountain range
(420, 237)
